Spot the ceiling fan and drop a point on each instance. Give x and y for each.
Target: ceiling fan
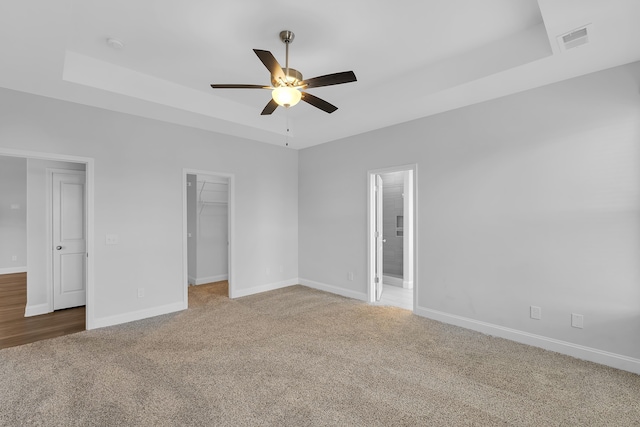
(287, 85)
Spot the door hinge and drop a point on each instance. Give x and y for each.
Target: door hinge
(377, 280)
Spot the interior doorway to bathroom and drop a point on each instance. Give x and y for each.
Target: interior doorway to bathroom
(392, 237)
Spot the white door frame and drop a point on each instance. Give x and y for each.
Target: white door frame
(371, 241)
(379, 237)
(231, 225)
(89, 171)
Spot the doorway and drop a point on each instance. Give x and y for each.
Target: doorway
(207, 229)
(392, 226)
(38, 278)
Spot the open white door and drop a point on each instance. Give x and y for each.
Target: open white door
(69, 239)
(379, 238)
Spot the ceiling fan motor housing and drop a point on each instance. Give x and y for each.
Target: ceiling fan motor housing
(293, 78)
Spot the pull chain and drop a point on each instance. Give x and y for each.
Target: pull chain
(287, 136)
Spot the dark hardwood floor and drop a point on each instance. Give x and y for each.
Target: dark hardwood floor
(15, 329)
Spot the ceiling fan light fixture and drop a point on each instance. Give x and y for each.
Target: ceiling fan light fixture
(286, 96)
(287, 84)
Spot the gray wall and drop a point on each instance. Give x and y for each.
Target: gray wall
(139, 166)
(13, 214)
(530, 199)
(393, 206)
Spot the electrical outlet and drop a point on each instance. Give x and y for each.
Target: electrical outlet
(535, 312)
(267, 271)
(577, 320)
(14, 258)
(282, 269)
(350, 276)
(140, 292)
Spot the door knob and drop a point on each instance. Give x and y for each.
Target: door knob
(58, 247)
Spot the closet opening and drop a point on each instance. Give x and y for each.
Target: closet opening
(207, 231)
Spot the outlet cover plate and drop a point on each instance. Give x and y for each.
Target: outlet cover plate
(577, 320)
(535, 312)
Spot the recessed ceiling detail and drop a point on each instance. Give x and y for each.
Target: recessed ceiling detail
(413, 59)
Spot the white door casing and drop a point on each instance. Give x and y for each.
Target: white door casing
(379, 238)
(69, 259)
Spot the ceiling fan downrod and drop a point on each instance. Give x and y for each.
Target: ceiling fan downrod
(287, 37)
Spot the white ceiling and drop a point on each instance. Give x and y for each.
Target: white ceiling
(412, 59)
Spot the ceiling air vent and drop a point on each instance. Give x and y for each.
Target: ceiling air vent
(574, 38)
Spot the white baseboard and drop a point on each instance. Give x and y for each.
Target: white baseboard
(397, 281)
(36, 310)
(135, 315)
(334, 289)
(602, 357)
(210, 279)
(191, 280)
(393, 281)
(238, 293)
(13, 270)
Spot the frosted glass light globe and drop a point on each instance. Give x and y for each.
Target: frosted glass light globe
(286, 96)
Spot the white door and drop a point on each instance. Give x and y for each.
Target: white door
(69, 239)
(379, 238)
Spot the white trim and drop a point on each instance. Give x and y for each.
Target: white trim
(210, 279)
(231, 234)
(191, 280)
(36, 310)
(393, 281)
(89, 163)
(43, 156)
(238, 293)
(137, 315)
(614, 360)
(334, 289)
(407, 284)
(13, 270)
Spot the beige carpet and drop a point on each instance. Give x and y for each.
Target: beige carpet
(301, 357)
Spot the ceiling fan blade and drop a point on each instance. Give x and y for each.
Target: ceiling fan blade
(330, 79)
(318, 103)
(271, 63)
(270, 108)
(225, 86)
